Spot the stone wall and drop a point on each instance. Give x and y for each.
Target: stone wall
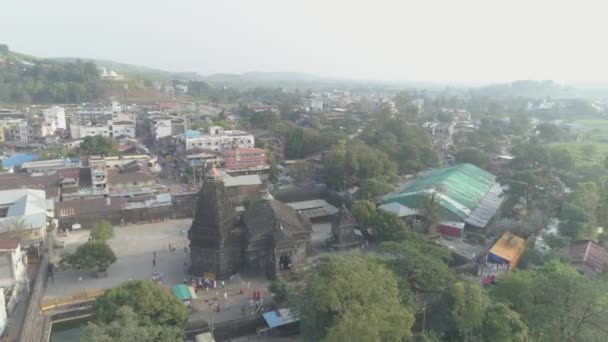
(33, 324)
(183, 207)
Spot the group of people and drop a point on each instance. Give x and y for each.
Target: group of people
(157, 277)
(256, 303)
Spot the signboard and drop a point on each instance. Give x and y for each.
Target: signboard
(209, 275)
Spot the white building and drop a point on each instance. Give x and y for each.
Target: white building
(125, 127)
(27, 208)
(96, 114)
(13, 276)
(217, 139)
(18, 130)
(161, 128)
(55, 118)
(110, 75)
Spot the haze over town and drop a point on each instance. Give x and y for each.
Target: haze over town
(446, 41)
(401, 171)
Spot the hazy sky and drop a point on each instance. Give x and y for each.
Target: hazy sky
(451, 40)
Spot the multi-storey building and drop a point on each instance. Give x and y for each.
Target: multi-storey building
(244, 159)
(55, 118)
(217, 139)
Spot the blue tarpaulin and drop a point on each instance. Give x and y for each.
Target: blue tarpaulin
(278, 318)
(18, 159)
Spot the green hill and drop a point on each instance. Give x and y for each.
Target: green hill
(28, 79)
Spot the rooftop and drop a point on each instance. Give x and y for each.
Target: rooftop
(9, 244)
(587, 252)
(509, 247)
(314, 208)
(25, 205)
(18, 159)
(466, 192)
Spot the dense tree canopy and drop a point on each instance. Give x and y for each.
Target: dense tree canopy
(49, 82)
(92, 256)
(473, 156)
(349, 164)
(409, 146)
(151, 305)
(556, 303)
(126, 328)
(102, 231)
(352, 298)
(95, 145)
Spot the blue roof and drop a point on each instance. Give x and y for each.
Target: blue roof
(279, 318)
(191, 134)
(18, 159)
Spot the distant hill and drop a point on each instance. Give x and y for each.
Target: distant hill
(541, 89)
(138, 72)
(28, 79)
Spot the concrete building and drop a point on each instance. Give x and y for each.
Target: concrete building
(217, 139)
(17, 130)
(52, 165)
(55, 117)
(123, 128)
(29, 209)
(245, 159)
(13, 275)
(161, 128)
(92, 114)
(441, 132)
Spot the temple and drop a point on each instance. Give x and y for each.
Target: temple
(270, 237)
(343, 230)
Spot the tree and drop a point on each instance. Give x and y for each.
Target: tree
(579, 213)
(91, 256)
(126, 328)
(348, 165)
(273, 174)
(339, 304)
(373, 188)
(152, 306)
(102, 231)
(410, 147)
(95, 145)
(501, 324)
(280, 290)
(431, 207)
(556, 302)
(365, 212)
(551, 133)
(467, 304)
(473, 156)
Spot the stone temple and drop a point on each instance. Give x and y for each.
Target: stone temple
(269, 237)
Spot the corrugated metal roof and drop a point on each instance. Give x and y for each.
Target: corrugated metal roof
(397, 209)
(468, 193)
(29, 206)
(509, 247)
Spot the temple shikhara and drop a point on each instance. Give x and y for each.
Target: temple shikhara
(269, 237)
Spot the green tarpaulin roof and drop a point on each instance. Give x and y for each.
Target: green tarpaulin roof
(463, 188)
(181, 291)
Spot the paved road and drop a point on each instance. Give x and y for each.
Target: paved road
(134, 246)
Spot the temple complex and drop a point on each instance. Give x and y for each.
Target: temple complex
(270, 237)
